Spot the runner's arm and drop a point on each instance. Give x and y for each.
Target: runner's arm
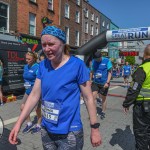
(89, 100)
(96, 139)
(109, 76)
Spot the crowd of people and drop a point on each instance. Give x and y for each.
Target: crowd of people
(58, 107)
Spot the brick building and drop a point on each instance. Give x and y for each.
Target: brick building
(105, 22)
(71, 21)
(90, 22)
(29, 19)
(25, 16)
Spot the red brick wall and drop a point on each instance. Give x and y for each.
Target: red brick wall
(73, 26)
(40, 10)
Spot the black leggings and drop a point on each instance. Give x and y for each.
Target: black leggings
(71, 141)
(141, 128)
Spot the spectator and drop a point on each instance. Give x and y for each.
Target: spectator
(60, 79)
(29, 75)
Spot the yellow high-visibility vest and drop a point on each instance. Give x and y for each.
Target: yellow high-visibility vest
(145, 90)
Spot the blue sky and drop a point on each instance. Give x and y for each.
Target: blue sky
(125, 13)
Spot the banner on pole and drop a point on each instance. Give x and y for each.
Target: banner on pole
(132, 34)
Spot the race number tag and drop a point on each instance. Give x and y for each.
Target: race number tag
(27, 85)
(98, 74)
(127, 71)
(50, 111)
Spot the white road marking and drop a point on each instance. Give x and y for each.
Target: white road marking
(113, 88)
(12, 120)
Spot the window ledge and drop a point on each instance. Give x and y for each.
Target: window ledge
(78, 5)
(67, 18)
(77, 22)
(51, 11)
(34, 3)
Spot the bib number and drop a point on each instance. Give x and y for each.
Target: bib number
(50, 111)
(98, 75)
(27, 85)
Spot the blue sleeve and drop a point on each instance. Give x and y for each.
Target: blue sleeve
(39, 72)
(83, 74)
(109, 65)
(92, 66)
(37, 69)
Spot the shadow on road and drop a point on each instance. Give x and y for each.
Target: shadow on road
(123, 138)
(4, 143)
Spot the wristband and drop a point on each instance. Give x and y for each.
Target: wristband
(95, 126)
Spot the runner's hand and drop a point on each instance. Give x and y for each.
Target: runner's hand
(13, 135)
(96, 139)
(106, 85)
(125, 110)
(90, 82)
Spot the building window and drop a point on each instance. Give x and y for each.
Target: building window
(77, 38)
(96, 19)
(86, 27)
(4, 17)
(107, 26)
(67, 34)
(96, 31)
(92, 29)
(67, 10)
(32, 24)
(86, 12)
(50, 4)
(77, 16)
(92, 17)
(78, 2)
(103, 23)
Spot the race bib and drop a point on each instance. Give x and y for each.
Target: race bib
(27, 85)
(127, 71)
(50, 111)
(98, 75)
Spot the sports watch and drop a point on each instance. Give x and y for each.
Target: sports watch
(95, 125)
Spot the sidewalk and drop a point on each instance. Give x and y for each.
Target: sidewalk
(116, 128)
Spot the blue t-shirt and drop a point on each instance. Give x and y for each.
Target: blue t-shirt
(127, 70)
(61, 87)
(29, 75)
(100, 70)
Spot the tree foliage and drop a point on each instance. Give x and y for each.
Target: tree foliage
(130, 59)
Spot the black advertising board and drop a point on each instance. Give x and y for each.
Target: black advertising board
(12, 55)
